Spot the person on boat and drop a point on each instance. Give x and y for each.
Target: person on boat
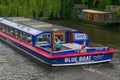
(58, 43)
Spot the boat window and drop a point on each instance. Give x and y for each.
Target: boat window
(43, 39)
(3, 28)
(9, 30)
(20, 35)
(16, 33)
(29, 38)
(12, 32)
(6, 30)
(0, 27)
(61, 36)
(24, 36)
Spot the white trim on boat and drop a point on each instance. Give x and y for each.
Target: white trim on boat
(81, 63)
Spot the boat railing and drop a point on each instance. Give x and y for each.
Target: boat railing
(94, 49)
(70, 49)
(79, 51)
(63, 52)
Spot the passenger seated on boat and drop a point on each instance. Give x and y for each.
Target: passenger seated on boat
(58, 43)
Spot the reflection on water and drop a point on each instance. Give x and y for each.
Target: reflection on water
(103, 35)
(16, 66)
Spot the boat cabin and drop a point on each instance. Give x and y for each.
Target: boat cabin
(42, 35)
(98, 16)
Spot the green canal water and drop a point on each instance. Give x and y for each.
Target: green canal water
(16, 66)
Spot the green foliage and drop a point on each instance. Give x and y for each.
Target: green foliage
(103, 3)
(84, 1)
(119, 12)
(30, 8)
(48, 8)
(67, 8)
(74, 14)
(96, 3)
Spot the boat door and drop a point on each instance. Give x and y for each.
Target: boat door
(61, 34)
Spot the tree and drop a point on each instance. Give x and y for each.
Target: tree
(48, 8)
(30, 8)
(66, 8)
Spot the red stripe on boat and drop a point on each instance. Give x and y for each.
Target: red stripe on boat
(86, 54)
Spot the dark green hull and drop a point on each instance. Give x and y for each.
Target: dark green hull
(100, 23)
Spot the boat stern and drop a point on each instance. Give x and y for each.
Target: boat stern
(83, 58)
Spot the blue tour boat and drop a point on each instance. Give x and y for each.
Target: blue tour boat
(37, 39)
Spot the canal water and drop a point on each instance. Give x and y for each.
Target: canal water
(14, 65)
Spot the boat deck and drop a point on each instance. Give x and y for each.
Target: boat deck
(67, 46)
(74, 46)
(62, 48)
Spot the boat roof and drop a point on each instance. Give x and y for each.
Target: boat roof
(31, 26)
(95, 11)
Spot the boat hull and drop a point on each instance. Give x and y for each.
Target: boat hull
(99, 23)
(79, 60)
(64, 60)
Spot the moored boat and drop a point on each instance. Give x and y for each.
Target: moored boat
(99, 17)
(38, 39)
